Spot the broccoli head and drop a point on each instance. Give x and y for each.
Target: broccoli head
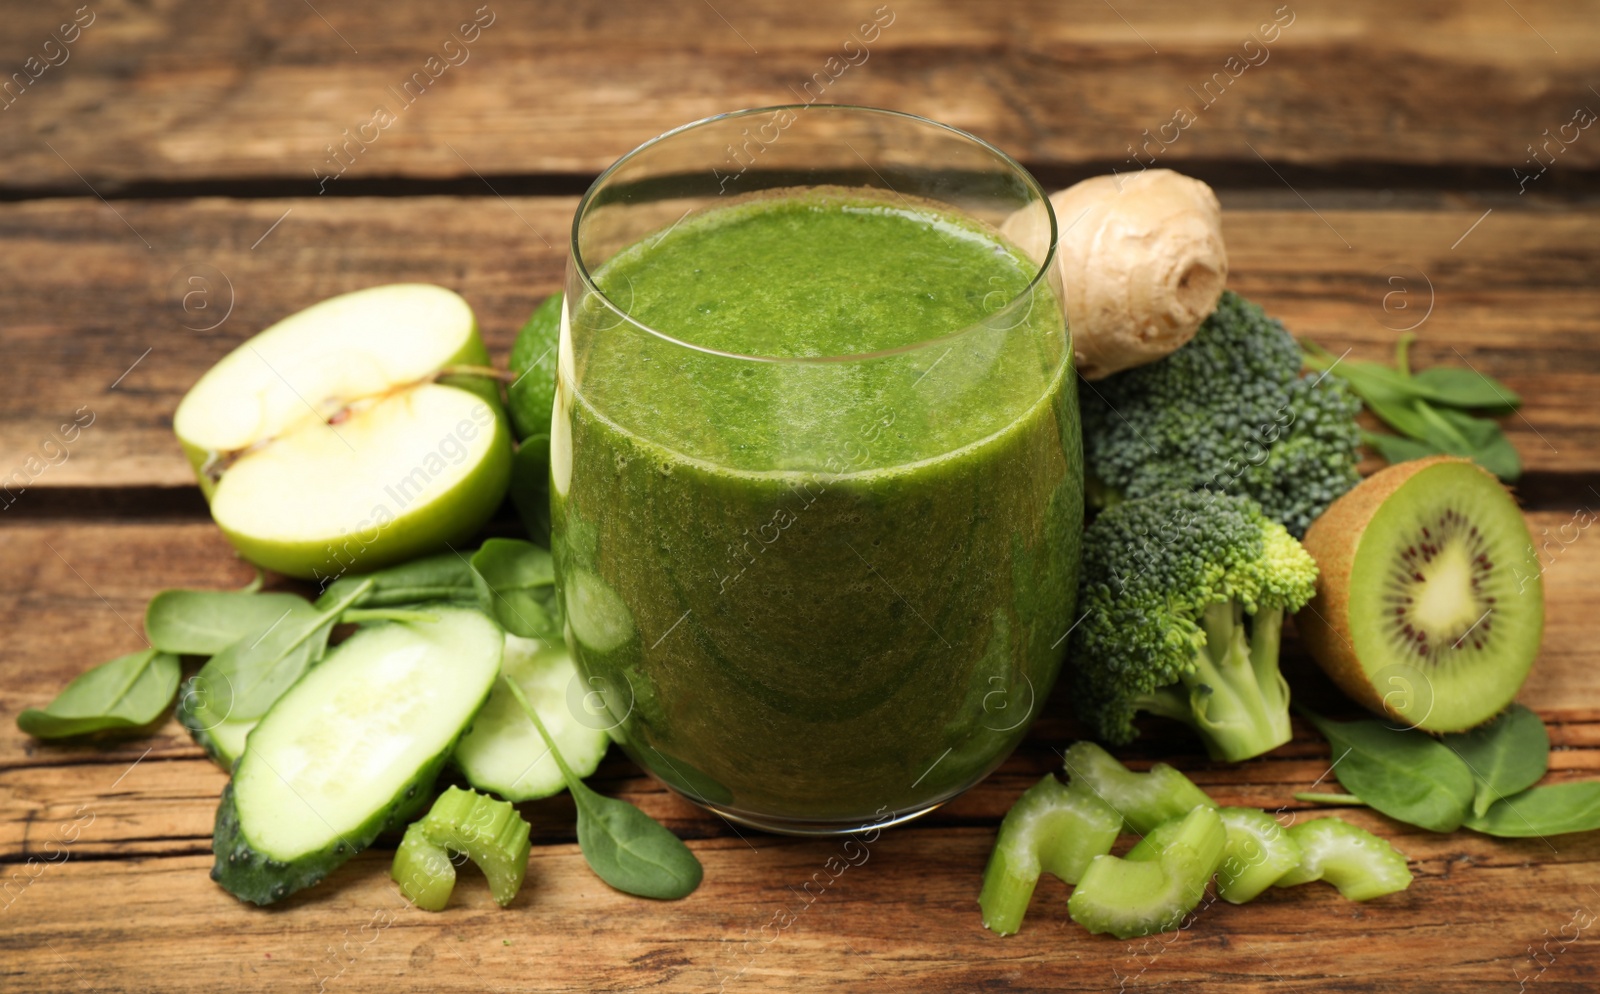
(1228, 412)
(1184, 595)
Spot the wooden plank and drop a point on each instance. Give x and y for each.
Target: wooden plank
(85, 305)
(904, 918)
(260, 92)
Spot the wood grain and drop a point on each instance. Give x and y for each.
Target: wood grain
(84, 304)
(171, 91)
(1367, 183)
(89, 830)
(905, 918)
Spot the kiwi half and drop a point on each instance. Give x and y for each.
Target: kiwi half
(1427, 609)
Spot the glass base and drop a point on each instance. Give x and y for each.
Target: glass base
(815, 829)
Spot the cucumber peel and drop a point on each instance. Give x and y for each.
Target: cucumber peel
(486, 830)
(349, 749)
(223, 740)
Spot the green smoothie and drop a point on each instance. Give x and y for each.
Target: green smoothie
(821, 589)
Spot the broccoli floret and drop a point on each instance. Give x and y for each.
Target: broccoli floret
(1184, 595)
(1229, 412)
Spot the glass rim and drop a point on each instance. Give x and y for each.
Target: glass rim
(1040, 273)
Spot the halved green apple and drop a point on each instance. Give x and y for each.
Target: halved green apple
(337, 441)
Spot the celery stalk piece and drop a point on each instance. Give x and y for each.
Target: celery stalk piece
(1051, 829)
(1145, 800)
(487, 830)
(423, 870)
(1153, 888)
(1259, 852)
(1354, 860)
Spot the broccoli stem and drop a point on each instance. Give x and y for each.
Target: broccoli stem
(1238, 700)
(1051, 829)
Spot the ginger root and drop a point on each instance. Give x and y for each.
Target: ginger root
(1142, 263)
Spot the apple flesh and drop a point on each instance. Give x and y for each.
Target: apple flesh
(329, 443)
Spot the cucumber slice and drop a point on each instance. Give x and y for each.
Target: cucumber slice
(502, 752)
(354, 742)
(599, 618)
(222, 740)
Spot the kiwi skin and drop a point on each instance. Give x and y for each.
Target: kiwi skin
(1332, 540)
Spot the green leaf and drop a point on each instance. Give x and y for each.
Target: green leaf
(242, 681)
(127, 693)
(1444, 432)
(624, 846)
(204, 622)
(530, 486)
(1397, 448)
(1458, 387)
(1451, 386)
(1396, 409)
(1506, 756)
(517, 586)
(1404, 774)
(444, 577)
(534, 354)
(1488, 445)
(1540, 811)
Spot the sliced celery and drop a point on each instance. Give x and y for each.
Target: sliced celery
(1050, 829)
(1354, 860)
(1154, 887)
(423, 870)
(1259, 852)
(1145, 800)
(488, 831)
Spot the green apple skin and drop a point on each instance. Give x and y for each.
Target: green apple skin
(454, 517)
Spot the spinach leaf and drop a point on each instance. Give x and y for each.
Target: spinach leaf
(445, 577)
(1507, 755)
(1460, 387)
(624, 846)
(1489, 446)
(242, 681)
(517, 587)
(1405, 774)
(204, 622)
(1554, 810)
(1397, 448)
(530, 486)
(127, 693)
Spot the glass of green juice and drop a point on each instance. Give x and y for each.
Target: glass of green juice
(816, 477)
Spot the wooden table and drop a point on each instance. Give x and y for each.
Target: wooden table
(158, 204)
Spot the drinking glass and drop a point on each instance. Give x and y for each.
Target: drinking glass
(814, 593)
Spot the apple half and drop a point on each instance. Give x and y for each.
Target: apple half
(336, 440)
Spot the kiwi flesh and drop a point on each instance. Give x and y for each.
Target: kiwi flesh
(1429, 608)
